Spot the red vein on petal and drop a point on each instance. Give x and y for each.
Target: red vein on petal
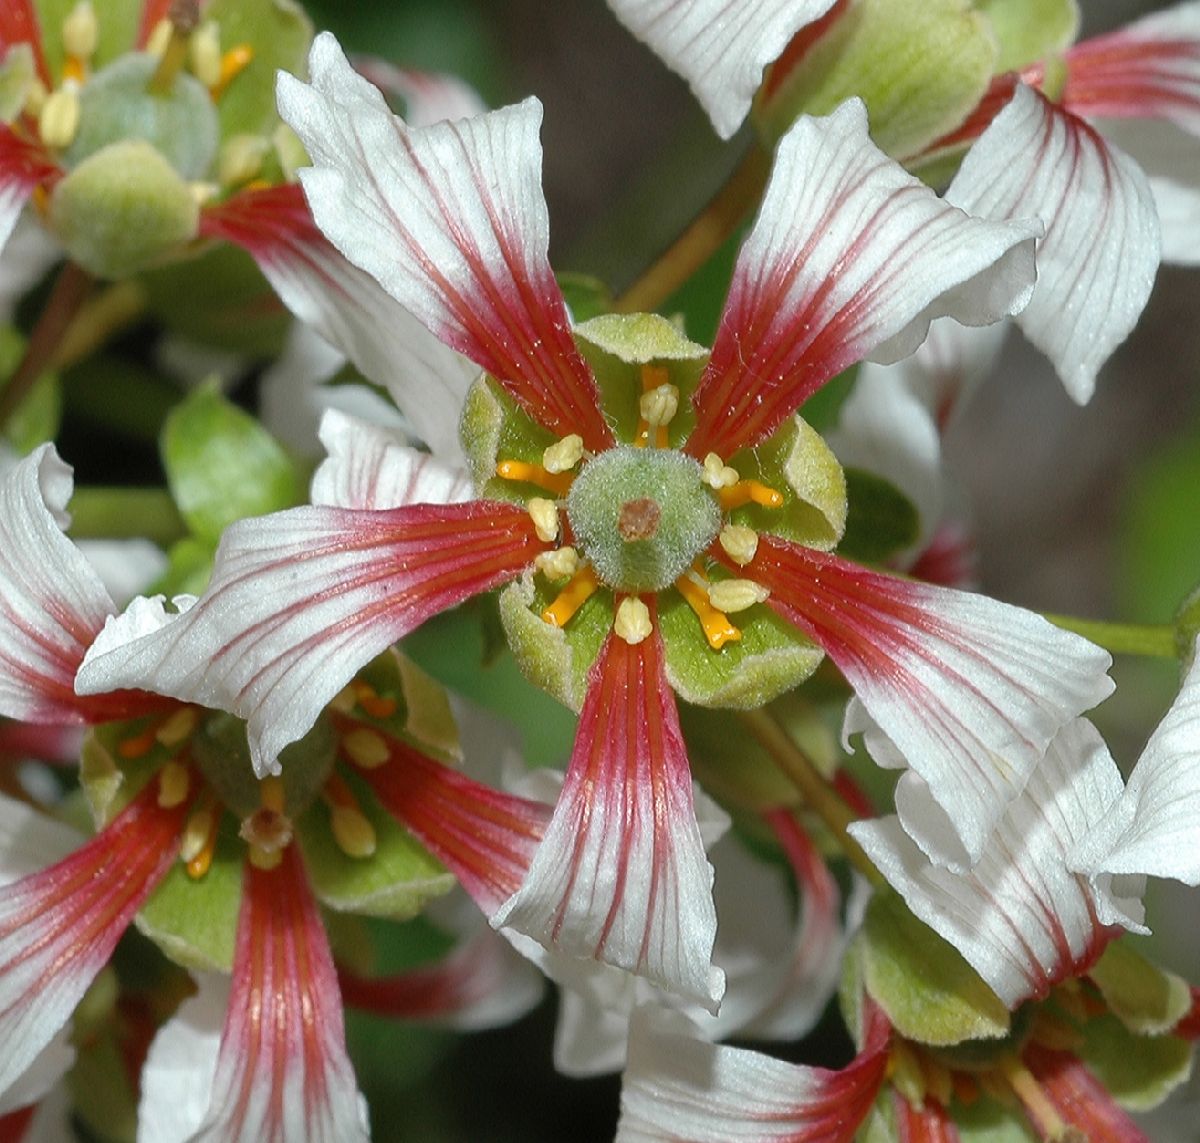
(1125, 75)
(19, 25)
(1079, 1098)
(24, 163)
(928, 1124)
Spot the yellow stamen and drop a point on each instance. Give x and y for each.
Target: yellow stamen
(655, 379)
(557, 482)
(157, 43)
(938, 1080)
(365, 748)
(139, 745)
(905, 1073)
(204, 54)
(345, 700)
(80, 34)
(717, 628)
(632, 621)
(740, 543)
(582, 587)
(233, 63)
(199, 842)
(58, 122)
(265, 859)
(35, 98)
(203, 193)
(352, 831)
(736, 594)
(717, 474)
(376, 705)
(558, 565)
(746, 491)
(173, 783)
(544, 514)
(241, 159)
(563, 455)
(1042, 1112)
(177, 728)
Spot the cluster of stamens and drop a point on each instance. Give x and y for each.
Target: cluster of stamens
(568, 564)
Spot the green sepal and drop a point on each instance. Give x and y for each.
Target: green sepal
(928, 991)
(1030, 30)
(189, 568)
(1147, 999)
(556, 659)
(218, 298)
(986, 1120)
(117, 28)
(17, 74)
(422, 717)
(919, 65)
(1138, 1071)
(395, 881)
(797, 463)
(493, 428)
(222, 465)
(586, 296)
(194, 920)
(36, 418)
(880, 520)
(110, 781)
(772, 657)
(280, 33)
(123, 209)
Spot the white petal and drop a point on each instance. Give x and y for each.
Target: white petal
(1155, 826)
(372, 467)
(32, 840)
(29, 253)
(1097, 262)
(23, 165)
(126, 567)
(1020, 917)
(52, 604)
(719, 46)
(429, 97)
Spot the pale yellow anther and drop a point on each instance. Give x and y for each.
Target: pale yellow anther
(659, 405)
(544, 514)
(156, 45)
(563, 455)
(632, 621)
(203, 193)
(241, 159)
(366, 749)
(904, 1071)
(35, 98)
(178, 727)
(343, 702)
(58, 122)
(736, 594)
(204, 54)
(740, 543)
(196, 834)
(289, 151)
(352, 831)
(173, 783)
(717, 474)
(81, 31)
(560, 564)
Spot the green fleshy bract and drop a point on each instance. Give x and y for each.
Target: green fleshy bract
(1030, 30)
(1147, 999)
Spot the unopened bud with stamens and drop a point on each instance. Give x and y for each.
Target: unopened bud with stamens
(563, 455)
(717, 474)
(352, 831)
(736, 594)
(204, 54)
(366, 749)
(632, 621)
(58, 122)
(173, 782)
(740, 543)
(560, 564)
(81, 31)
(658, 406)
(544, 514)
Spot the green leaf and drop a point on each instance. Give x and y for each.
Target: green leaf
(1144, 997)
(587, 297)
(919, 65)
(881, 520)
(222, 465)
(929, 992)
(1030, 30)
(189, 567)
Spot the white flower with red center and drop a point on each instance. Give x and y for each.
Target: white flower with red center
(638, 490)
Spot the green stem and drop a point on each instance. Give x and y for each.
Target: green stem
(110, 311)
(123, 513)
(702, 237)
(1156, 641)
(818, 794)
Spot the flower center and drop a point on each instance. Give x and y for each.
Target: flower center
(641, 516)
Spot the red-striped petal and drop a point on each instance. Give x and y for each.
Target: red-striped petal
(621, 875)
(24, 165)
(282, 1070)
(451, 220)
(1078, 1097)
(302, 599)
(19, 25)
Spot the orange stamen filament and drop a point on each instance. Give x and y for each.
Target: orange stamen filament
(233, 63)
(579, 590)
(557, 482)
(1042, 1113)
(747, 491)
(372, 702)
(200, 838)
(717, 628)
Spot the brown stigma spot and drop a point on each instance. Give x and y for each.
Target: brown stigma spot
(639, 519)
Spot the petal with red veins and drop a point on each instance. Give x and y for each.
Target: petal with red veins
(850, 257)
(1097, 262)
(23, 166)
(429, 96)
(19, 25)
(371, 467)
(59, 927)
(1020, 917)
(678, 1089)
(347, 307)
(621, 875)
(1078, 1098)
(52, 603)
(969, 691)
(1149, 69)
(282, 1071)
(451, 220)
(1154, 827)
(719, 47)
(302, 599)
